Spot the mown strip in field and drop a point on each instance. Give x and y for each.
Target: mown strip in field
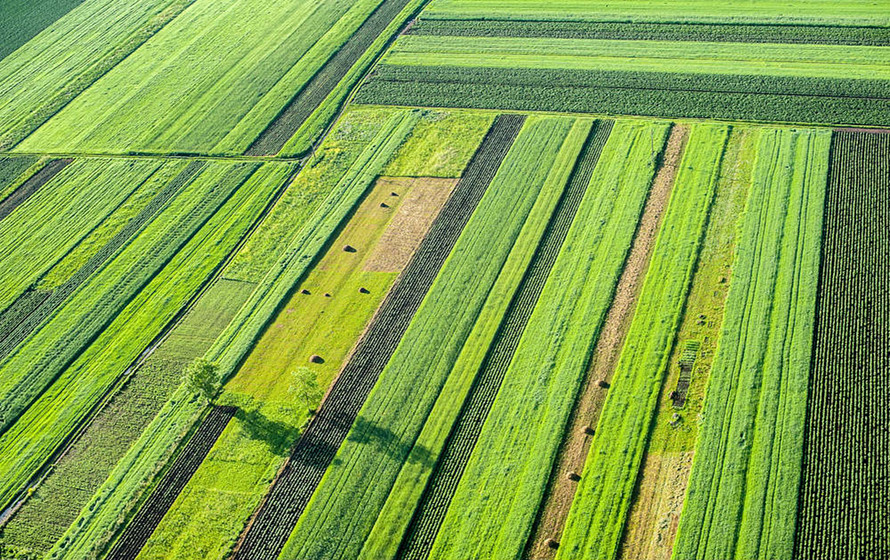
(14, 199)
(33, 311)
(742, 496)
(162, 497)
(657, 31)
(842, 506)
(657, 94)
(430, 510)
(601, 503)
(316, 91)
(329, 427)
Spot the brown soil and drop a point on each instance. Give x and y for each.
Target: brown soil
(653, 520)
(575, 447)
(426, 196)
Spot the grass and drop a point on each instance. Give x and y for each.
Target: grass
(601, 503)
(845, 12)
(59, 215)
(742, 495)
(79, 365)
(495, 502)
(14, 171)
(165, 97)
(49, 71)
(390, 527)
(441, 144)
(21, 20)
(211, 512)
(380, 439)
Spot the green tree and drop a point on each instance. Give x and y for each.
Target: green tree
(202, 377)
(305, 388)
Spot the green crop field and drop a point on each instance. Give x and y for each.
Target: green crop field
(444, 279)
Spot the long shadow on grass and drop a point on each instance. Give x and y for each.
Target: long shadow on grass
(370, 434)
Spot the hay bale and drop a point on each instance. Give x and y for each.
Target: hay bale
(316, 359)
(551, 543)
(589, 431)
(327, 294)
(393, 194)
(305, 292)
(363, 291)
(384, 205)
(349, 248)
(603, 384)
(573, 476)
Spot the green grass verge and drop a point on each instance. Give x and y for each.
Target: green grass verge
(602, 500)
(742, 496)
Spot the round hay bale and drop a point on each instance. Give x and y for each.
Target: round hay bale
(589, 431)
(327, 294)
(551, 543)
(349, 248)
(573, 476)
(603, 384)
(363, 291)
(316, 359)
(384, 205)
(305, 292)
(393, 194)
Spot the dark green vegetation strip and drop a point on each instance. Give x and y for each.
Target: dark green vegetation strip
(319, 443)
(30, 186)
(167, 490)
(30, 309)
(710, 96)
(307, 100)
(729, 33)
(844, 487)
(465, 433)
(11, 168)
(20, 20)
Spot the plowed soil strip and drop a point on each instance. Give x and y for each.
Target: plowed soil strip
(561, 490)
(437, 496)
(166, 492)
(315, 450)
(30, 186)
(30, 309)
(286, 124)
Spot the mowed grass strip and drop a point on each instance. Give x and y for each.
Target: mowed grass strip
(71, 383)
(45, 74)
(742, 496)
(214, 507)
(344, 506)
(495, 503)
(601, 503)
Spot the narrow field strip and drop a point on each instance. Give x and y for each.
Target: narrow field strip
(575, 447)
(657, 31)
(846, 458)
(45, 74)
(742, 496)
(496, 500)
(89, 460)
(323, 436)
(454, 453)
(162, 497)
(46, 174)
(601, 503)
(77, 374)
(314, 93)
(14, 171)
(21, 20)
(32, 311)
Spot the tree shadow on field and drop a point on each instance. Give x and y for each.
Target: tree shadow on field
(383, 440)
(279, 436)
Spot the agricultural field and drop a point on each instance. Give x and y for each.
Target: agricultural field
(444, 279)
